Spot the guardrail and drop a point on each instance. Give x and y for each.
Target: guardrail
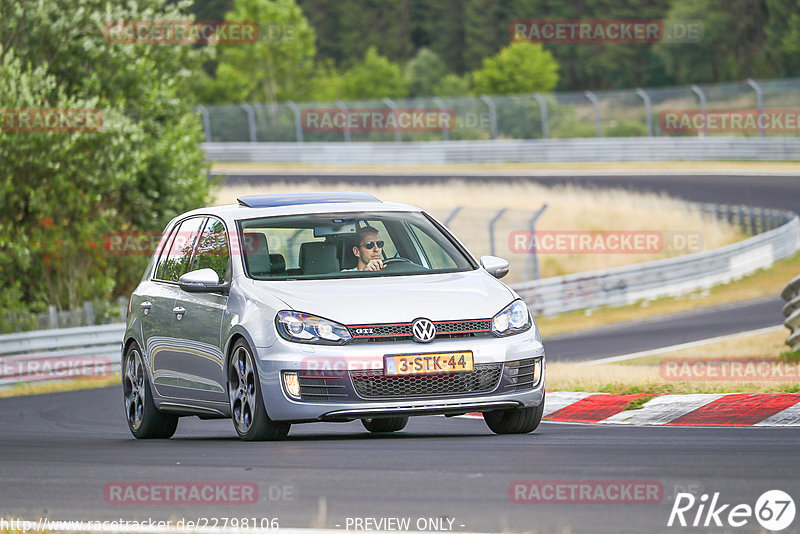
(511, 151)
(62, 353)
(791, 294)
(663, 278)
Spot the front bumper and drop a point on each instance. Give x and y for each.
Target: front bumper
(286, 356)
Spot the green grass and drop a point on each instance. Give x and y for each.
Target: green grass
(40, 388)
(637, 404)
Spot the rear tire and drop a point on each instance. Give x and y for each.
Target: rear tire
(247, 404)
(388, 424)
(144, 419)
(515, 421)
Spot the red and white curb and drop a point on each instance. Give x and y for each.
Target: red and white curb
(731, 409)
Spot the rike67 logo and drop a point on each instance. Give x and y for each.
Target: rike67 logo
(774, 510)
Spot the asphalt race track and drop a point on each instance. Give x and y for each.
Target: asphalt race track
(59, 451)
(664, 330)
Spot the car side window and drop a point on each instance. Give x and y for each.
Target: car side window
(212, 249)
(177, 258)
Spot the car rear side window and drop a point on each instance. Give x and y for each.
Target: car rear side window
(212, 249)
(177, 257)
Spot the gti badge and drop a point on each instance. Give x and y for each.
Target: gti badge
(423, 331)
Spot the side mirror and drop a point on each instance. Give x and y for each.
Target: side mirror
(202, 281)
(497, 267)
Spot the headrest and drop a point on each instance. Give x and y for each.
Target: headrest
(318, 258)
(277, 263)
(256, 253)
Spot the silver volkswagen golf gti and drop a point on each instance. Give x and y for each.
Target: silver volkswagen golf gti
(325, 307)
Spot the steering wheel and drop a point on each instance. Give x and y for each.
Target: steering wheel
(395, 263)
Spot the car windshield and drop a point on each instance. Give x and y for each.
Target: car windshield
(341, 245)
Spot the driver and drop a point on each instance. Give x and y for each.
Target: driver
(368, 250)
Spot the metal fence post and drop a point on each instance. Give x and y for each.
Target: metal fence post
(88, 312)
(491, 229)
(452, 216)
(532, 257)
(543, 108)
(398, 135)
(702, 96)
(492, 114)
(251, 121)
(298, 127)
(206, 122)
(445, 132)
(122, 302)
(596, 105)
(52, 317)
(648, 110)
(343, 108)
(759, 102)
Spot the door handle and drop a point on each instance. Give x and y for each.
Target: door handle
(179, 312)
(146, 306)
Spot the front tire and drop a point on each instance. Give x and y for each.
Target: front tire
(515, 421)
(144, 419)
(387, 424)
(247, 404)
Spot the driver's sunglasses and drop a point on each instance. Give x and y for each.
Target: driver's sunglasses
(369, 245)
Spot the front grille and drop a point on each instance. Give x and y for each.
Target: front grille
(523, 374)
(321, 387)
(377, 333)
(373, 384)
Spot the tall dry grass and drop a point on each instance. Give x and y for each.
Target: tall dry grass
(569, 208)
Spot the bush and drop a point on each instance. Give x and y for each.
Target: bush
(625, 128)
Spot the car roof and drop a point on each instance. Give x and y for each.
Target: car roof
(255, 206)
(295, 199)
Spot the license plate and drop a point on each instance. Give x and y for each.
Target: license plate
(419, 364)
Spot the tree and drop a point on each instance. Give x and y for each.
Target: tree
(452, 85)
(279, 66)
(62, 191)
(518, 68)
(375, 77)
(783, 36)
(424, 72)
(732, 46)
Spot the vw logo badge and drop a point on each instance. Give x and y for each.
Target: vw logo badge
(423, 331)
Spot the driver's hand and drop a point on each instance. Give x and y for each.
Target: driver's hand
(374, 265)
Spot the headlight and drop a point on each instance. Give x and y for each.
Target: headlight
(305, 328)
(514, 318)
